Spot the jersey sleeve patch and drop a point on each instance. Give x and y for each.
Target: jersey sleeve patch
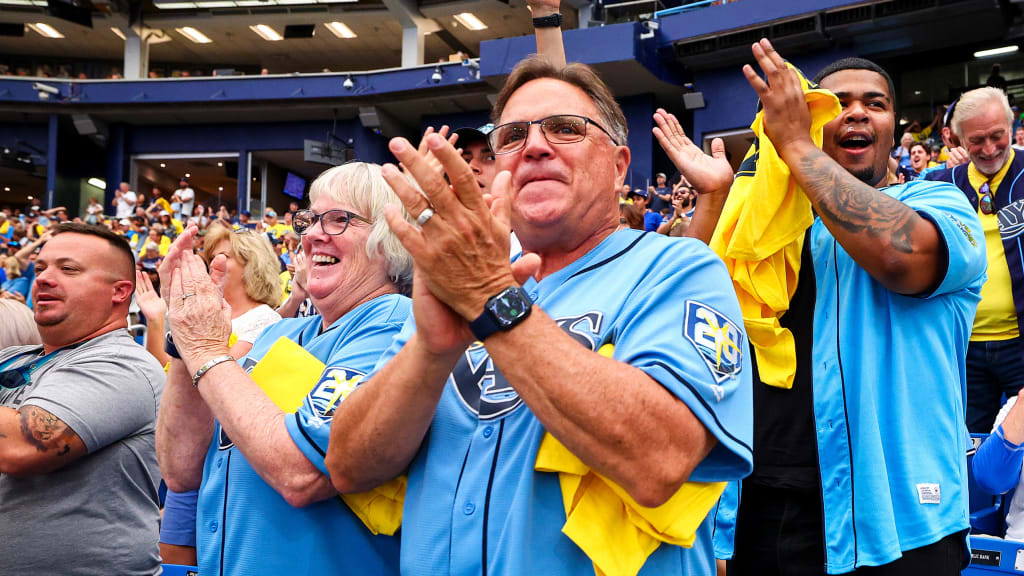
(718, 340)
(335, 384)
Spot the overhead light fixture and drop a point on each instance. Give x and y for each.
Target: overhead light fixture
(22, 3)
(917, 92)
(216, 4)
(340, 30)
(469, 20)
(117, 32)
(45, 30)
(29, 197)
(193, 35)
(220, 188)
(266, 32)
(162, 165)
(7, 188)
(187, 175)
(996, 51)
(220, 163)
(102, 185)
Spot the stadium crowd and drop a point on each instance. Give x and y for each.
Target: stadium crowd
(719, 371)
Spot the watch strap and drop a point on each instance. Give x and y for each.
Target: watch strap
(549, 21)
(170, 348)
(488, 322)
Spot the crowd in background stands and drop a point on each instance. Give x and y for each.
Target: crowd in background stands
(149, 224)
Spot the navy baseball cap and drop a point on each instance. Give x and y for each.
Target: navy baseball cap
(637, 192)
(469, 135)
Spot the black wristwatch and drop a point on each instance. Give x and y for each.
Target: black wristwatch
(549, 21)
(503, 311)
(170, 348)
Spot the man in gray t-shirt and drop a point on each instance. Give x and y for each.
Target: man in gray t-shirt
(78, 470)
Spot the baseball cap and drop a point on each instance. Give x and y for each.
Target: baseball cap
(270, 214)
(165, 213)
(660, 175)
(469, 135)
(638, 192)
(125, 222)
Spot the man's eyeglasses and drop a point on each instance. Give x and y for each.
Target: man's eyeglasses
(558, 129)
(333, 222)
(986, 199)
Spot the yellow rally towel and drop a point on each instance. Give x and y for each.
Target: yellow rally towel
(284, 365)
(760, 237)
(164, 205)
(616, 533)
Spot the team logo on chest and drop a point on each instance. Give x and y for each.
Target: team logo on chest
(718, 339)
(485, 392)
(1011, 220)
(335, 384)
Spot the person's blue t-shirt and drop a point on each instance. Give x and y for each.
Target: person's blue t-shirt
(651, 221)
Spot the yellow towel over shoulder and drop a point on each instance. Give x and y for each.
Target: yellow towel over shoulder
(760, 237)
(616, 533)
(280, 373)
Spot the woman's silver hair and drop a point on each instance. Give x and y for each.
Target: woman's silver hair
(361, 186)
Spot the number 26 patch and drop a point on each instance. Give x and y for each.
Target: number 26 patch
(718, 339)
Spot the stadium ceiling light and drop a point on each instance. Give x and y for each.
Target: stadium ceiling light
(217, 4)
(266, 32)
(45, 30)
(102, 185)
(996, 51)
(340, 30)
(193, 35)
(470, 21)
(117, 32)
(22, 3)
(176, 5)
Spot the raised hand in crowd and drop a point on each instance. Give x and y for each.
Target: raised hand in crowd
(710, 176)
(549, 38)
(957, 156)
(155, 310)
(424, 150)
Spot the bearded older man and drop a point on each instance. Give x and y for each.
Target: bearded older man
(471, 389)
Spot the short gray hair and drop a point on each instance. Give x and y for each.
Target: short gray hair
(583, 77)
(973, 104)
(361, 185)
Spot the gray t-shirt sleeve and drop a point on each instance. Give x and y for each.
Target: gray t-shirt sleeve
(102, 397)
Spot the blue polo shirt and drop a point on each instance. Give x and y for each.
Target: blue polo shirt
(889, 390)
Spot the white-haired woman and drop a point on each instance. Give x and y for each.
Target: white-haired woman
(18, 327)
(271, 461)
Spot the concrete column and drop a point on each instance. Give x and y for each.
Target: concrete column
(413, 41)
(136, 55)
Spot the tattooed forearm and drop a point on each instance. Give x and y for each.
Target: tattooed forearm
(854, 206)
(45, 431)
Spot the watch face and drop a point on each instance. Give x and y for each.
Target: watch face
(509, 306)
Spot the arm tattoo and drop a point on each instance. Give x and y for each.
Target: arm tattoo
(45, 431)
(855, 206)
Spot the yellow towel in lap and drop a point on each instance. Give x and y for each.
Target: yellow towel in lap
(616, 533)
(760, 237)
(286, 373)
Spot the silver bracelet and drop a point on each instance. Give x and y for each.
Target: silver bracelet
(209, 366)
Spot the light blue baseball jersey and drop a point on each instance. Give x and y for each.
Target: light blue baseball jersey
(474, 503)
(725, 521)
(889, 390)
(244, 526)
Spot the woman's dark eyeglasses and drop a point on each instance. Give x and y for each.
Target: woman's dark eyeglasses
(333, 222)
(558, 129)
(986, 199)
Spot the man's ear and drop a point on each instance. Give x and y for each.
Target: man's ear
(122, 291)
(622, 158)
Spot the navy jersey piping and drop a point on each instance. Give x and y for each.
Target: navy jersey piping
(224, 512)
(706, 406)
(458, 483)
(610, 258)
(487, 497)
(846, 414)
(308, 438)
